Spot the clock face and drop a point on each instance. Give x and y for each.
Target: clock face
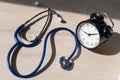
(88, 35)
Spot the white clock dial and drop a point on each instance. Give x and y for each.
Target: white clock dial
(88, 35)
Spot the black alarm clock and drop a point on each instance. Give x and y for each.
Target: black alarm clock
(94, 31)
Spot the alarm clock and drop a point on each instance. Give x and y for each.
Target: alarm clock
(94, 31)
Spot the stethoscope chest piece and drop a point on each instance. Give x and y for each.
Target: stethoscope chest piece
(66, 63)
(94, 31)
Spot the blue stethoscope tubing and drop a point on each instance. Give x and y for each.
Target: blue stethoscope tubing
(21, 43)
(18, 43)
(40, 35)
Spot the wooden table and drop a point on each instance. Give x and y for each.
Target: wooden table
(101, 64)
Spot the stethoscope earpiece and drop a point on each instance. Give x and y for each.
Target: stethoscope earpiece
(66, 63)
(37, 3)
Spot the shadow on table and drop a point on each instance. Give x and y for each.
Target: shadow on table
(111, 47)
(79, 6)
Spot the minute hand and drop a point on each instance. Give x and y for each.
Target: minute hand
(89, 34)
(93, 34)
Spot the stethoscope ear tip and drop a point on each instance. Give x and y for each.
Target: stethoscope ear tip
(63, 21)
(36, 3)
(66, 63)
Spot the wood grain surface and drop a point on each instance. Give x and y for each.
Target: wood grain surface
(101, 64)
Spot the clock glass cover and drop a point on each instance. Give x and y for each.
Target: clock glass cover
(88, 35)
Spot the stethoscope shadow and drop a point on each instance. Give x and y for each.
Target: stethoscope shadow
(18, 48)
(53, 47)
(111, 47)
(50, 61)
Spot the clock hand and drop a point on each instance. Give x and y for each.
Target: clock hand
(89, 34)
(86, 32)
(93, 34)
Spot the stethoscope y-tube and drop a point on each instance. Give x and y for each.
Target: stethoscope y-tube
(66, 62)
(24, 25)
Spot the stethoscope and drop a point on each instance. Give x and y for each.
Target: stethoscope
(65, 62)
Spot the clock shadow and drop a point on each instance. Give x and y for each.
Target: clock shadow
(111, 47)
